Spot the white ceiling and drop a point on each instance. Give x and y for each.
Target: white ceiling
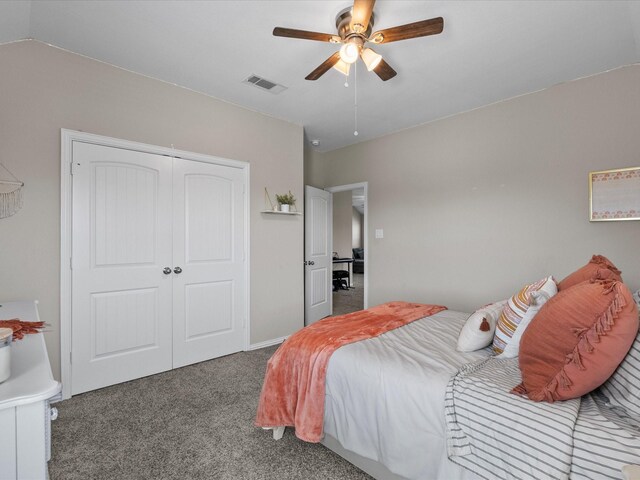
(489, 51)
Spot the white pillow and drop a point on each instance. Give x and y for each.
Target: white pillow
(536, 300)
(472, 336)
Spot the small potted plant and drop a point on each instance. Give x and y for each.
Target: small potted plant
(285, 200)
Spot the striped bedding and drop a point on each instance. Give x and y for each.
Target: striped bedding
(499, 435)
(607, 433)
(605, 439)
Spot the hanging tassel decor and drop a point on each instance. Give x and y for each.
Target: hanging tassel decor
(10, 195)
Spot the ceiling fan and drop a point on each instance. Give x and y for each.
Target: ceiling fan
(354, 27)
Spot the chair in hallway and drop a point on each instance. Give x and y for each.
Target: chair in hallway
(340, 279)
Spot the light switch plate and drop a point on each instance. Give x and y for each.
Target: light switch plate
(379, 233)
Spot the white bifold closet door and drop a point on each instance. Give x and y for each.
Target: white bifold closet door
(208, 246)
(158, 264)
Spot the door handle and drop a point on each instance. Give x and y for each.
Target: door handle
(310, 262)
(177, 270)
(166, 270)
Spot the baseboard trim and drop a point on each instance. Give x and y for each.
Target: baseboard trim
(267, 343)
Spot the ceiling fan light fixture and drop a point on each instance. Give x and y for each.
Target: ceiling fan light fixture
(371, 59)
(354, 28)
(349, 52)
(343, 67)
(377, 38)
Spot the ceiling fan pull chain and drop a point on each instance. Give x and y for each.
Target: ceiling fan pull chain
(355, 98)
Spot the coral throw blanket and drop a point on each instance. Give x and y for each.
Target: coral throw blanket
(294, 385)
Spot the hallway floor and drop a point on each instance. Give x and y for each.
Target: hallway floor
(352, 300)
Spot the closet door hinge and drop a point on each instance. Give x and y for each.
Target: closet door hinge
(74, 166)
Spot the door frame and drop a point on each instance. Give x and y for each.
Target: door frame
(67, 138)
(354, 186)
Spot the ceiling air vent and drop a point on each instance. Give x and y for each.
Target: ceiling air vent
(264, 84)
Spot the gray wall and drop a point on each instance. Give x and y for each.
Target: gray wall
(315, 171)
(475, 205)
(342, 225)
(44, 89)
(357, 227)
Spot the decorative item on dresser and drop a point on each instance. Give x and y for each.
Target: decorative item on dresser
(25, 415)
(6, 337)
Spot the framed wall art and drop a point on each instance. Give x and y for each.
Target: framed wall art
(614, 195)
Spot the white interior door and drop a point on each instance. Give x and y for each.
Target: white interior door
(121, 303)
(209, 254)
(318, 234)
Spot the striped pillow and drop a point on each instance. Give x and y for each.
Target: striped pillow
(513, 313)
(537, 299)
(623, 387)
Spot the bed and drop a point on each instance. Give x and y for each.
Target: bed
(392, 384)
(408, 405)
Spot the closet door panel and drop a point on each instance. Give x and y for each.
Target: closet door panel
(208, 242)
(200, 300)
(121, 306)
(208, 231)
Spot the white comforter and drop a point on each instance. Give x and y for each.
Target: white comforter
(385, 396)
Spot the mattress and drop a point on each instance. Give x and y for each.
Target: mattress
(385, 396)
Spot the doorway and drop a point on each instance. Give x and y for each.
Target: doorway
(349, 248)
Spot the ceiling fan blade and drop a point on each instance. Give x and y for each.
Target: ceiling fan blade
(384, 71)
(423, 28)
(305, 35)
(324, 67)
(362, 10)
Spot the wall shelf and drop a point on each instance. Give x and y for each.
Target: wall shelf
(269, 206)
(277, 212)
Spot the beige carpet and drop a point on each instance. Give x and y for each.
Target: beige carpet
(352, 300)
(195, 422)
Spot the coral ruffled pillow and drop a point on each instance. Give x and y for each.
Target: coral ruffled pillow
(598, 267)
(479, 328)
(577, 340)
